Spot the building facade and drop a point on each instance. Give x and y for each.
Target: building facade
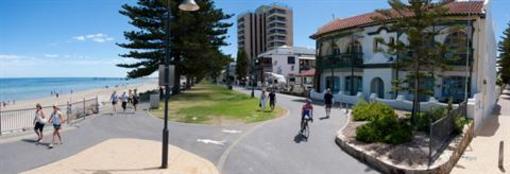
(287, 61)
(269, 27)
(349, 60)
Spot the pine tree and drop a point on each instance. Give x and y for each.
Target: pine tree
(195, 38)
(241, 64)
(421, 55)
(504, 57)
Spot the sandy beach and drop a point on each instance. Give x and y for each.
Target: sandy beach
(103, 95)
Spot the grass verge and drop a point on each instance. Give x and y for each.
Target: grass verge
(213, 104)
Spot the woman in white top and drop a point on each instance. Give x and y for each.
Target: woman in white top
(39, 122)
(263, 100)
(56, 119)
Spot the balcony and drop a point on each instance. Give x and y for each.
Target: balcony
(343, 60)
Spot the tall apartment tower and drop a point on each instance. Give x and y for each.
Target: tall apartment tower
(269, 27)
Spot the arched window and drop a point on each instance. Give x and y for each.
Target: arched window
(456, 44)
(354, 47)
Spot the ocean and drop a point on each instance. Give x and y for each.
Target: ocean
(31, 88)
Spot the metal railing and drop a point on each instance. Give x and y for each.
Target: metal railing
(442, 131)
(23, 119)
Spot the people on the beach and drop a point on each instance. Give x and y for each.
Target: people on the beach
(56, 119)
(272, 99)
(124, 98)
(263, 100)
(39, 122)
(135, 99)
(114, 98)
(328, 102)
(130, 96)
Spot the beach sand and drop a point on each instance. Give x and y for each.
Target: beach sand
(103, 95)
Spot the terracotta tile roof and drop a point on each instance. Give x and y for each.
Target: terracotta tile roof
(454, 8)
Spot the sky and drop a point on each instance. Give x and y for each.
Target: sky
(77, 38)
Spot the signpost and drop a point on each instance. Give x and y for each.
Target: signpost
(171, 73)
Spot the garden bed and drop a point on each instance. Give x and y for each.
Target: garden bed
(409, 157)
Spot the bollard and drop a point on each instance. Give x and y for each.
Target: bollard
(501, 153)
(84, 107)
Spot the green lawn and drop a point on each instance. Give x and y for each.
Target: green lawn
(212, 104)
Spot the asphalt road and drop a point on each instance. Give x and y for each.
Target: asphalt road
(268, 147)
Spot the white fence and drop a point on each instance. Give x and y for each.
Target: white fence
(399, 103)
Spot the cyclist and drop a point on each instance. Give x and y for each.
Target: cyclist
(306, 114)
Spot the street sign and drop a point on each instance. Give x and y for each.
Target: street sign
(161, 75)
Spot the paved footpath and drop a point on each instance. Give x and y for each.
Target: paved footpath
(268, 147)
(481, 156)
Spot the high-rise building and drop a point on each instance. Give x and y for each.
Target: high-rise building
(269, 27)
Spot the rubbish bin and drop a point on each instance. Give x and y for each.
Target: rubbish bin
(154, 101)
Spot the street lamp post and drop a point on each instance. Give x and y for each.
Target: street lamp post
(187, 5)
(252, 77)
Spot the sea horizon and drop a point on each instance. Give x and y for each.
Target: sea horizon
(26, 88)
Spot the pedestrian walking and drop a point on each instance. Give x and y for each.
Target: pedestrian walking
(56, 119)
(124, 99)
(114, 98)
(39, 122)
(263, 100)
(272, 99)
(135, 99)
(328, 102)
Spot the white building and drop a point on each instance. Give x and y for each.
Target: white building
(288, 61)
(349, 62)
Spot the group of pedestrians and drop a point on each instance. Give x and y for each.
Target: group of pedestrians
(126, 98)
(56, 119)
(264, 97)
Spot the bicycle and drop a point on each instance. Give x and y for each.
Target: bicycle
(305, 129)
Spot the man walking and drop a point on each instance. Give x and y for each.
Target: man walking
(328, 102)
(272, 99)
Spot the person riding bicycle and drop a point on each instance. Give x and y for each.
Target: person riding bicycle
(306, 113)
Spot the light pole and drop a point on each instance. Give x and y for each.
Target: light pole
(253, 77)
(187, 5)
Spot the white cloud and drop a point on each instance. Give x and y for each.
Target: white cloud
(51, 55)
(98, 37)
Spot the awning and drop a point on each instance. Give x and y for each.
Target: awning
(307, 73)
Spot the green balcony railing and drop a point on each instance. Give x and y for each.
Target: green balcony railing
(343, 60)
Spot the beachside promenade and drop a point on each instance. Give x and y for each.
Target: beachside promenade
(267, 147)
(482, 154)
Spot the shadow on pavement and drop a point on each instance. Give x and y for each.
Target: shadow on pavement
(299, 138)
(109, 171)
(35, 142)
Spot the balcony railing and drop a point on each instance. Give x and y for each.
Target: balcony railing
(343, 60)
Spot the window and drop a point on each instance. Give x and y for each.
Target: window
(357, 84)
(454, 87)
(456, 42)
(291, 60)
(392, 40)
(376, 45)
(292, 68)
(333, 83)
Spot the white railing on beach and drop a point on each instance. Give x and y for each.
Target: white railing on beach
(22, 119)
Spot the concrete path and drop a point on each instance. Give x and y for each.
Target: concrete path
(121, 155)
(276, 147)
(481, 156)
(268, 147)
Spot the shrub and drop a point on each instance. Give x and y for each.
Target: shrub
(367, 133)
(458, 124)
(402, 134)
(386, 128)
(423, 119)
(360, 111)
(364, 111)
